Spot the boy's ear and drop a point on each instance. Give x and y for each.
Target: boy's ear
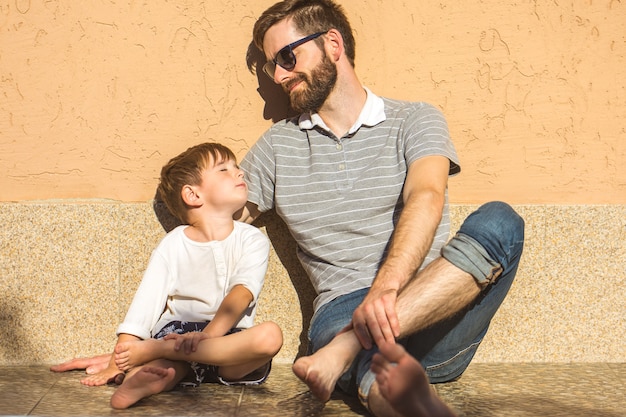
(189, 195)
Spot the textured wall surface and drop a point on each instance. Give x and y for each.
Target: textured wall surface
(68, 272)
(96, 95)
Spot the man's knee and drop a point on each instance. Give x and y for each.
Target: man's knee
(489, 242)
(494, 221)
(498, 229)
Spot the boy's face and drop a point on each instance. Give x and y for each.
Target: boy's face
(223, 187)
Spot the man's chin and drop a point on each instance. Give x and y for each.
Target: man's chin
(296, 106)
(302, 105)
(301, 110)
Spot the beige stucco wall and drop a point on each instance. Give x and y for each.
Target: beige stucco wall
(96, 95)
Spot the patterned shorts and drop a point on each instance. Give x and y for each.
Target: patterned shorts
(210, 373)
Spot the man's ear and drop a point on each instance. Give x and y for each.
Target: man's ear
(335, 44)
(190, 196)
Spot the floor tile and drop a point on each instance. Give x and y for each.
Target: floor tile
(573, 390)
(285, 395)
(22, 388)
(486, 389)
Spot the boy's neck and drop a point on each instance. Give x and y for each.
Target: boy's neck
(208, 229)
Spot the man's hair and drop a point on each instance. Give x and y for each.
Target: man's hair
(186, 169)
(308, 16)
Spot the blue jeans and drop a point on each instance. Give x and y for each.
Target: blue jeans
(488, 246)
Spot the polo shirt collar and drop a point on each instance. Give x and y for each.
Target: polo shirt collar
(373, 113)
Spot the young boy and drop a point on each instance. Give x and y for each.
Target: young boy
(193, 314)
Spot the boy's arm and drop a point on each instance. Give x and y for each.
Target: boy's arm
(230, 311)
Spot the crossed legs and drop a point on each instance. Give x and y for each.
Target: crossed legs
(484, 254)
(154, 366)
(324, 368)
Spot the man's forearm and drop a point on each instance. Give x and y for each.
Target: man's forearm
(412, 239)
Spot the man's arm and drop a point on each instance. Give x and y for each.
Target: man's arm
(424, 198)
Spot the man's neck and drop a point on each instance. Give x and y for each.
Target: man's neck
(343, 107)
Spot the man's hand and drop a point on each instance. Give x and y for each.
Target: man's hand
(375, 320)
(91, 365)
(188, 342)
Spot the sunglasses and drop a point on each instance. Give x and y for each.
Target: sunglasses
(285, 58)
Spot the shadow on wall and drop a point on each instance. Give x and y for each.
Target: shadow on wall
(15, 341)
(168, 221)
(276, 100)
(284, 246)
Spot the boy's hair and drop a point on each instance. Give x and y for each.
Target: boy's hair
(186, 169)
(308, 16)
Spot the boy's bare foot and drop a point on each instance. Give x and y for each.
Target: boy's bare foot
(321, 370)
(403, 382)
(92, 365)
(147, 381)
(135, 353)
(103, 377)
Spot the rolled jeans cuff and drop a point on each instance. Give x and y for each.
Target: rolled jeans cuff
(364, 388)
(467, 254)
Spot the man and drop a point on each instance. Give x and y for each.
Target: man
(361, 183)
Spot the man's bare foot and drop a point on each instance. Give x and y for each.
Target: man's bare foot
(147, 381)
(92, 365)
(321, 370)
(403, 382)
(103, 377)
(135, 353)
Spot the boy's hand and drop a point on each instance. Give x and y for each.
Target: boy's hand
(188, 342)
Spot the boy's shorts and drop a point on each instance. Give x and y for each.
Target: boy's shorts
(210, 373)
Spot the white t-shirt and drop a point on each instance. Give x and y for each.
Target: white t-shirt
(187, 280)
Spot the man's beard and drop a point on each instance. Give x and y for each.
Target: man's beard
(316, 88)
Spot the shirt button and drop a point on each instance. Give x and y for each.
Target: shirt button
(342, 167)
(339, 147)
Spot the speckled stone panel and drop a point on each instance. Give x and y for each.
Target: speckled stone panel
(584, 298)
(69, 271)
(60, 289)
(140, 233)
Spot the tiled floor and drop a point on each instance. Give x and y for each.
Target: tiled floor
(572, 390)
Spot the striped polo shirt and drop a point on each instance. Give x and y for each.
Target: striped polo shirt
(341, 197)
